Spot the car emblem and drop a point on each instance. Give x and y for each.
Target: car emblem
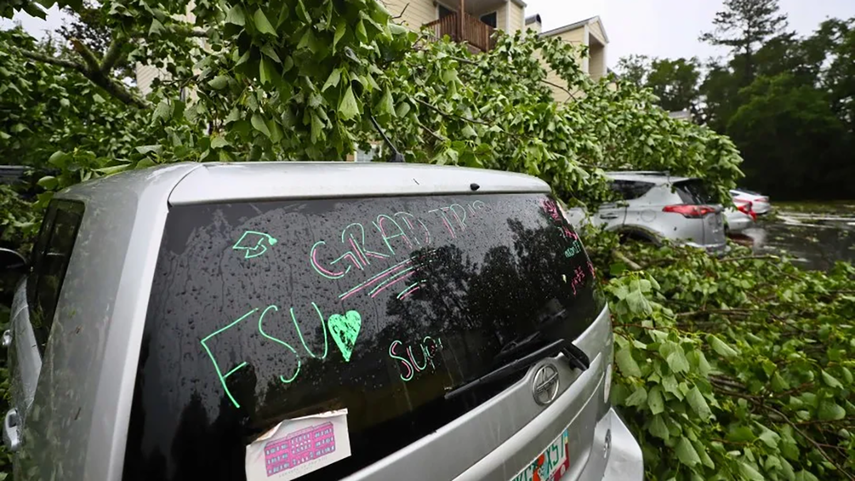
(544, 386)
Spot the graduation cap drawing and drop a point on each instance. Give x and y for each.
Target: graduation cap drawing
(252, 243)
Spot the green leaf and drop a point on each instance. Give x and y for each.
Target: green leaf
(740, 434)
(677, 360)
(219, 142)
(779, 383)
(267, 49)
(340, 30)
(830, 411)
(347, 108)
(637, 398)
(317, 128)
(149, 149)
(219, 82)
(236, 16)
(156, 27)
(804, 475)
(669, 384)
(686, 452)
(769, 437)
(701, 449)
(750, 473)
(386, 105)
(267, 71)
(58, 159)
(258, 123)
(332, 80)
(721, 347)
(637, 304)
(48, 182)
(830, 380)
(113, 170)
(658, 428)
(163, 111)
(627, 364)
(262, 24)
(698, 403)
(699, 361)
(654, 400)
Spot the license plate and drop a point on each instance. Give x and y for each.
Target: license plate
(551, 464)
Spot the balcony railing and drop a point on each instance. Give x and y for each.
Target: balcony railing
(475, 32)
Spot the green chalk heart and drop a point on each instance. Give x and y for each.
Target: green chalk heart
(344, 330)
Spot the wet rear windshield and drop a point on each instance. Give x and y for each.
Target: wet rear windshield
(263, 312)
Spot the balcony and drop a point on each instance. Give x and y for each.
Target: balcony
(471, 30)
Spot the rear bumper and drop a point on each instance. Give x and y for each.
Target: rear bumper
(739, 223)
(624, 460)
(714, 249)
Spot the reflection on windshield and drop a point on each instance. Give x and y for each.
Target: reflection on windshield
(379, 306)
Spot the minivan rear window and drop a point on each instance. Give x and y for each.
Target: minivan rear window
(266, 311)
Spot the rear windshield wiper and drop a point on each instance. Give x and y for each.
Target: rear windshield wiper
(575, 356)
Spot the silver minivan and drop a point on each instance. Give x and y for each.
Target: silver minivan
(312, 321)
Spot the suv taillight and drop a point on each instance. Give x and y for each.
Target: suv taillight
(690, 211)
(746, 209)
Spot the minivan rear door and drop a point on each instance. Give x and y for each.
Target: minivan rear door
(264, 312)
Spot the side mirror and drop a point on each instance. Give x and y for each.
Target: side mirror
(11, 261)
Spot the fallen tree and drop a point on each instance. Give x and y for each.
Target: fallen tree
(295, 80)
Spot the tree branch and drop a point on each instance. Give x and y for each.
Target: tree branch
(52, 60)
(434, 134)
(114, 52)
(446, 114)
(748, 258)
(88, 56)
(402, 12)
(547, 82)
(92, 71)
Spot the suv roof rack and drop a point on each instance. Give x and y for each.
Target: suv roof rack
(640, 172)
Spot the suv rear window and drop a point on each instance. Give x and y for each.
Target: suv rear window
(629, 189)
(693, 192)
(262, 312)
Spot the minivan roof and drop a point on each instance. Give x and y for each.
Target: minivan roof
(206, 182)
(259, 180)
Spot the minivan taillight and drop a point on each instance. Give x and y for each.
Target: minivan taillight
(747, 210)
(688, 210)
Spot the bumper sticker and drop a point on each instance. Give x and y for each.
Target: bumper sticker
(296, 447)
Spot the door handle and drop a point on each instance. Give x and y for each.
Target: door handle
(608, 216)
(12, 430)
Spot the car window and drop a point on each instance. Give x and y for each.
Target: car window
(50, 261)
(629, 190)
(267, 311)
(693, 191)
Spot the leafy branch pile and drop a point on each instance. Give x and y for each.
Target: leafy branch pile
(289, 79)
(726, 368)
(734, 368)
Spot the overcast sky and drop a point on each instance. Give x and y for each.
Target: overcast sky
(670, 28)
(658, 28)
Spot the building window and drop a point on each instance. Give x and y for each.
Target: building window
(490, 19)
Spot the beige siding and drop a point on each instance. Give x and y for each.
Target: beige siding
(596, 30)
(145, 75)
(597, 62)
(417, 14)
(575, 37)
(517, 17)
(502, 17)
